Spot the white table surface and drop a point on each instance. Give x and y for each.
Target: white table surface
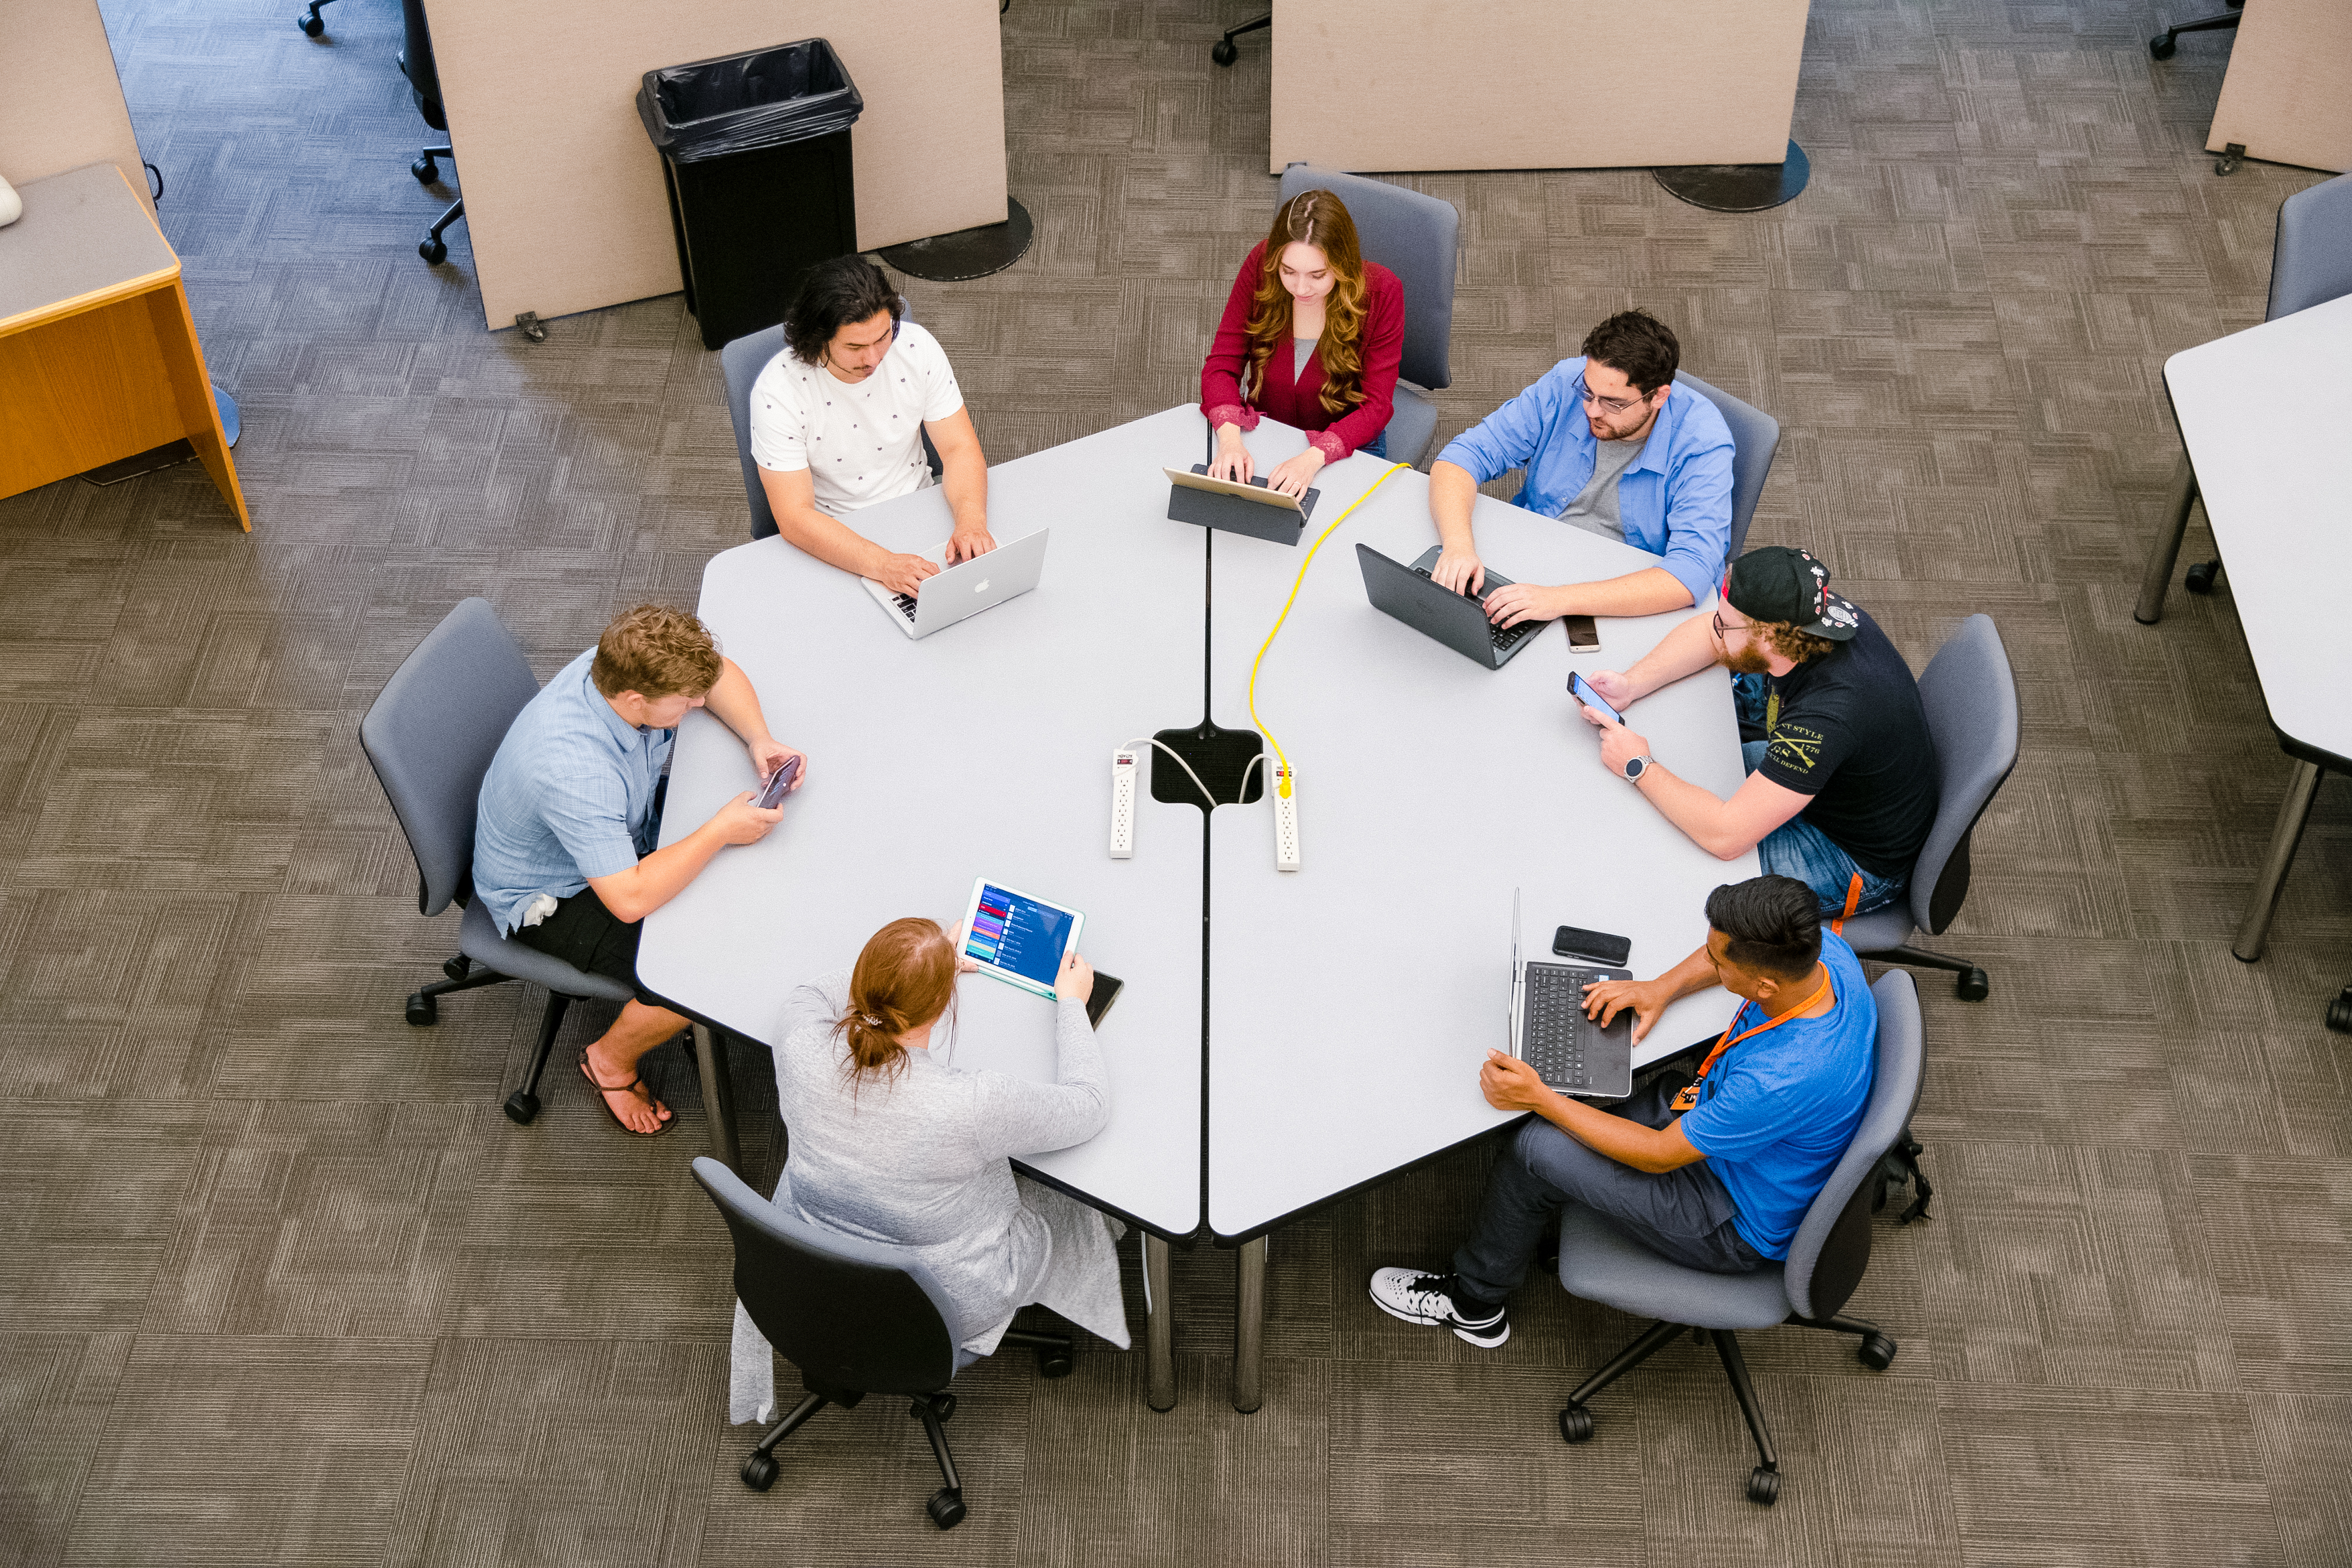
(1353, 1000)
(2266, 415)
(984, 749)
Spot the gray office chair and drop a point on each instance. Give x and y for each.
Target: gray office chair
(1413, 236)
(857, 1317)
(1755, 437)
(1810, 1286)
(2311, 263)
(430, 735)
(425, 86)
(1970, 696)
(742, 361)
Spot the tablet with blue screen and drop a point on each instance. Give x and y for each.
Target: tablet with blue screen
(1017, 937)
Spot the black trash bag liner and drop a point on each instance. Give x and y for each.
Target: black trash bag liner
(739, 104)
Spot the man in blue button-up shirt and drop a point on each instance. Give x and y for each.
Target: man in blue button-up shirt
(567, 818)
(1611, 445)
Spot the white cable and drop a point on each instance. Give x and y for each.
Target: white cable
(1245, 772)
(1147, 740)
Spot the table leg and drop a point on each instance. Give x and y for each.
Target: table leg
(1159, 1327)
(2167, 548)
(718, 1097)
(1249, 1325)
(2254, 931)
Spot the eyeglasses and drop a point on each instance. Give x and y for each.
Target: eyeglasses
(1610, 404)
(1723, 633)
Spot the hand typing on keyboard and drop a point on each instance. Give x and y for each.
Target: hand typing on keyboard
(1519, 601)
(902, 573)
(1604, 999)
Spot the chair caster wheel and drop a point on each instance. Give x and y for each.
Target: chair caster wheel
(423, 1009)
(1224, 51)
(760, 1472)
(426, 170)
(458, 967)
(1974, 986)
(1055, 1363)
(944, 1407)
(2160, 48)
(2339, 1012)
(1877, 1352)
(521, 1106)
(946, 1508)
(1763, 1486)
(312, 26)
(2201, 576)
(432, 250)
(1576, 1424)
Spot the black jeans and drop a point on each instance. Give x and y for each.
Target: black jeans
(587, 935)
(1685, 1216)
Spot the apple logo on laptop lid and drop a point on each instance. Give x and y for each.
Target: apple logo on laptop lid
(981, 587)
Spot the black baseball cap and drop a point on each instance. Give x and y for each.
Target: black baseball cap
(1779, 583)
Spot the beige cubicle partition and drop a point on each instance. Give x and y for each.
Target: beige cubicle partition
(2288, 95)
(565, 206)
(60, 102)
(1370, 84)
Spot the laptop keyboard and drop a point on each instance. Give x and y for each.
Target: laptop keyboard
(1503, 638)
(1554, 1045)
(906, 604)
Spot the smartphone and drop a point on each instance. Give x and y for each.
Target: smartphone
(1098, 1000)
(771, 794)
(1576, 942)
(1581, 689)
(1583, 634)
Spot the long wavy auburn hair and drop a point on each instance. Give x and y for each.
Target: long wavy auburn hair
(904, 978)
(1320, 219)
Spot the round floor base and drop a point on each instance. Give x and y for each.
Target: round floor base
(967, 252)
(1738, 187)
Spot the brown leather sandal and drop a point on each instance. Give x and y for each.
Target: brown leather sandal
(604, 1089)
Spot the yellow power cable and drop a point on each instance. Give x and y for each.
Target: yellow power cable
(1284, 787)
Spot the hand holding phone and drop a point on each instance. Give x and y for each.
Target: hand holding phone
(771, 794)
(1582, 690)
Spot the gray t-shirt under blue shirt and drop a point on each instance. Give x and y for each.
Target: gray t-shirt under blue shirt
(1595, 507)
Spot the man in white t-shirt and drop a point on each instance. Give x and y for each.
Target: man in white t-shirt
(837, 422)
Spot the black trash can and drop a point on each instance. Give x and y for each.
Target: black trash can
(755, 149)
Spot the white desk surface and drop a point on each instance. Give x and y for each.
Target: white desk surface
(1353, 1000)
(984, 749)
(2264, 413)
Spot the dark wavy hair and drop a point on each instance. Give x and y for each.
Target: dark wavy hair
(1637, 346)
(1774, 923)
(1320, 219)
(833, 294)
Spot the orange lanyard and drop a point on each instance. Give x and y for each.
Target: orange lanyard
(1687, 1100)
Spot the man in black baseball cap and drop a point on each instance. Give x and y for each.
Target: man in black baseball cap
(1841, 783)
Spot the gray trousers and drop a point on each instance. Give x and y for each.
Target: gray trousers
(1683, 1215)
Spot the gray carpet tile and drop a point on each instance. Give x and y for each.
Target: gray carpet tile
(283, 1285)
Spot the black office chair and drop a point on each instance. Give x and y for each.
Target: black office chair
(2161, 46)
(430, 736)
(425, 86)
(314, 24)
(1224, 51)
(857, 1317)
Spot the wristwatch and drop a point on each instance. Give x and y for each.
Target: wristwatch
(1634, 767)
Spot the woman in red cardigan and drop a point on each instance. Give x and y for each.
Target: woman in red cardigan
(1311, 335)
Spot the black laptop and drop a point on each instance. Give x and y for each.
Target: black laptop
(1456, 619)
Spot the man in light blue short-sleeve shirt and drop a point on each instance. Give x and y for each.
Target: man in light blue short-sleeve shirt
(565, 825)
(1713, 1175)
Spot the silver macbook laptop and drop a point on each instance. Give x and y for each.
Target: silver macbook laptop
(960, 591)
(1571, 1052)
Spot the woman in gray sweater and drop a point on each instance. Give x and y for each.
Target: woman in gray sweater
(891, 1144)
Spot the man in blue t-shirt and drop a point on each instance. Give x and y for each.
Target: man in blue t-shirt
(1716, 1175)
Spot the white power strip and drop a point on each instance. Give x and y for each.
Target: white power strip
(1122, 804)
(1285, 818)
